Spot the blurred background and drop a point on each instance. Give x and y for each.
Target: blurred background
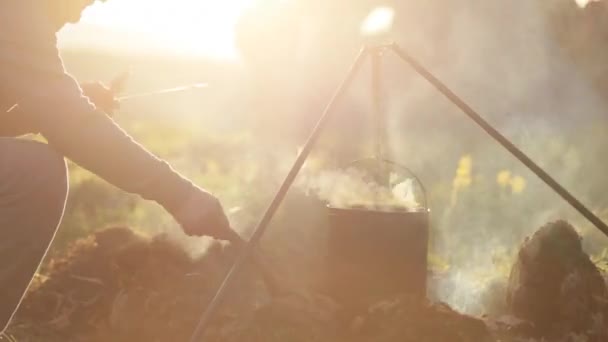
(535, 69)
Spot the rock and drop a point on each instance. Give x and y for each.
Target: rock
(553, 283)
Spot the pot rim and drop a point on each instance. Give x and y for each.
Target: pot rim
(378, 210)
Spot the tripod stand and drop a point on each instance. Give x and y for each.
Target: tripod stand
(376, 54)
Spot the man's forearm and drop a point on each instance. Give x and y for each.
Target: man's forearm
(97, 143)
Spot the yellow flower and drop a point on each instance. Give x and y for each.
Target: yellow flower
(518, 184)
(503, 178)
(463, 177)
(465, 166)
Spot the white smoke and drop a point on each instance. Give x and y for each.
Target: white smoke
(352, 187)
(503, 59)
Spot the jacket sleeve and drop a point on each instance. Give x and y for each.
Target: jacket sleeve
(53, 104)
(12, 124)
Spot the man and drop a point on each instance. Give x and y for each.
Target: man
(33, 178)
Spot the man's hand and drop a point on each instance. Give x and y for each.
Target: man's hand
(202, 215)
(101, 96)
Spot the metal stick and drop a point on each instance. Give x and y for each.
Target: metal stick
(215, 303)
(376, 91)
(164, 91)
(520, 155)
(12, 108)
(379, 116)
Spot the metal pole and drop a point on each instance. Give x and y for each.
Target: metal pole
(163, 91)
(521, 156)
(378, 115)
(215, 303)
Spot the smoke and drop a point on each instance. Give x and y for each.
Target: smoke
(504, 59)
(499, 56)
(356, 188)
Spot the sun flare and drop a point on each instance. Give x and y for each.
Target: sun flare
(195, 27)
(380, 20)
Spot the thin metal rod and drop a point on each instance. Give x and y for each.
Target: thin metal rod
(381, 149)
(163, 91)
(216, 302)
(378, 114)
(529, 163)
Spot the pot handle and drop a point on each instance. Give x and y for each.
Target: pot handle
(400, 166)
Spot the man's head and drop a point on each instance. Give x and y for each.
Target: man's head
(67, 11)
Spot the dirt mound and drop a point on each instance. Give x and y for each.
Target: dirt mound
(295, 318)
(319, 319)
(555, 286)
(118, 286)
(408, 320)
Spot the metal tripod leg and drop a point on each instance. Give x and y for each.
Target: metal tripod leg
(274, 205)
(260, 229)
(502, 140)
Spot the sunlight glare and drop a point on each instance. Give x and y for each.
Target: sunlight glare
(583, 3)
(199, 27)
(380, 20)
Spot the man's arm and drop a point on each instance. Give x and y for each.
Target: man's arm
(53, 103)
(13, 122)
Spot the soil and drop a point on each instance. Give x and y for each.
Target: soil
(118, 286)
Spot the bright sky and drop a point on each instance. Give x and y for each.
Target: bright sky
(583, 3)
(200, 27)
